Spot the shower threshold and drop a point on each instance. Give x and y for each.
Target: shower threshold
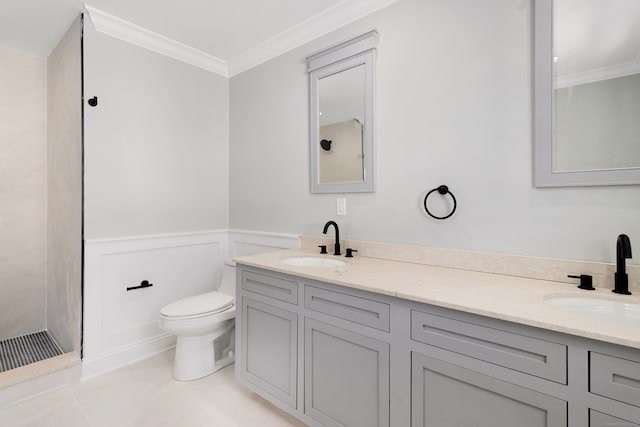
(31, 380)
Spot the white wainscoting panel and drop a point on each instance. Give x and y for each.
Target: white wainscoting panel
(121, 326)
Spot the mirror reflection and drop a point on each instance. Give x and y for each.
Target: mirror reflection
(341, 126)
(341, 108)
(596, 95)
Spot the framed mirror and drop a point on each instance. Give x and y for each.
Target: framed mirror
(341, 82)
(587, 92)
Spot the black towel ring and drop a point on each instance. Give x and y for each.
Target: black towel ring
(443, 189)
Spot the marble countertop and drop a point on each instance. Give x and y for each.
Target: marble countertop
(515, 299)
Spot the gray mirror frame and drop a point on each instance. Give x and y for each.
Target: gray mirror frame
(543, 113)
(352, 53)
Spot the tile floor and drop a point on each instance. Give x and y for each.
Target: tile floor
(145, 394)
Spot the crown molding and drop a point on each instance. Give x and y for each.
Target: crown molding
(129, 32)
(341, 14)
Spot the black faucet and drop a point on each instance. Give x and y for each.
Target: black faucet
(336, 247)
(623, 251)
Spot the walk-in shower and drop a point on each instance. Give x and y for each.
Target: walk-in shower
(41, 203)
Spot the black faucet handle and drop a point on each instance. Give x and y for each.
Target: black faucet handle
(323, 249)
(586, 282)
(350, 253)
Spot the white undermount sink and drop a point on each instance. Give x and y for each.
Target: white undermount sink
(312, 261)
(627, 313)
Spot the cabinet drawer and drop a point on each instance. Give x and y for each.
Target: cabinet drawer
(269, 286)
(598, 419)
(521, 353)
(615, 378)
(348, 307)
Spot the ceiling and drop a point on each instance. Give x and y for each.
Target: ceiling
(225, 30)
(35, 26)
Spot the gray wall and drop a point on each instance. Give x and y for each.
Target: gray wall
(156, 146)
(454, 106)
(23, 193)
(64, 182)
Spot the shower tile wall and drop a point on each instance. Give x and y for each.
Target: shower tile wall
(64, 163)
(23, 193)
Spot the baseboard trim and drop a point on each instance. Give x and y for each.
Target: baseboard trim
(94, 366)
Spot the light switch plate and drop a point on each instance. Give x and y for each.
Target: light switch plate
(341, 206)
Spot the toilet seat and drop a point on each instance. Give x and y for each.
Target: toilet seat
(198, 306)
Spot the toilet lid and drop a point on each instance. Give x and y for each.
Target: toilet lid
(209, 303)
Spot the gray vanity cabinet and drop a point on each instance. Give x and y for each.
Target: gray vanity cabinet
(318, 351)
(334, 356)
(445, 395)
(269, 336)
(346, 377)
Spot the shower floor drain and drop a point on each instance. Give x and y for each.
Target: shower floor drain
(20, 351)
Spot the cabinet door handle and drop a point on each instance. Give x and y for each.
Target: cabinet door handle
(143, 284)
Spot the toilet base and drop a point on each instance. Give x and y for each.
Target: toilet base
(196, 356)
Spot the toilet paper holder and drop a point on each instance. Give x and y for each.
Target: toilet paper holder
(143, 284)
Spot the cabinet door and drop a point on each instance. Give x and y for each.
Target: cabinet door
(445, 395)
(598, 419)
(269, 349)
(346, 377)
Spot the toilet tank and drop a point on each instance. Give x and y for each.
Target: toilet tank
(228, 283)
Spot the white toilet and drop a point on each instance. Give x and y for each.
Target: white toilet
(205, 326)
